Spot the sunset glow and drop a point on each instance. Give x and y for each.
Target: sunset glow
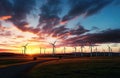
(65, 22)
(5, 17)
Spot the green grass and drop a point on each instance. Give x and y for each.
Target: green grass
(95, 67)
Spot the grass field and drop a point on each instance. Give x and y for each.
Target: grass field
(86, 67)
(11, 61)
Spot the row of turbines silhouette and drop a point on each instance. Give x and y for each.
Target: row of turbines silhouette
(93, 50)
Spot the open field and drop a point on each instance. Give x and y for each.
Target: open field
(17, 67)
(84, 67)
(10, 61)
(4, 62)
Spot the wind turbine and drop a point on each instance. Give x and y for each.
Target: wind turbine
(64, 50)
(22, 51)
(75, 51)
(109, 50)
(81, 47)
(53, 46)
(119, 51)
(44, 50)
(25, 48)
(40, 50)
(91, 49)
(103, 50)
(96, 51)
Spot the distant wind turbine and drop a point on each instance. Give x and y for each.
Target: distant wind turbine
(53, 46)
(22, 51)
(91, 47)
(96, 51)
(44, 50)
(81, 50)
(109, 50)
(40, 50)
(75, 49)
(64, 50)
(119, 51)
(104, 53)
(25, 48)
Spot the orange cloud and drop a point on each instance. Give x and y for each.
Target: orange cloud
(8, 50)
(5, 17)
(63, 22)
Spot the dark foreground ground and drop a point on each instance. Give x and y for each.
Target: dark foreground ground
(70, 67)
(18, 67)
(84, 67)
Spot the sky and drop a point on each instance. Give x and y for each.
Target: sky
(69, 23)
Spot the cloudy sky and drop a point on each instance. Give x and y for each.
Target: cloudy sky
(71, 23)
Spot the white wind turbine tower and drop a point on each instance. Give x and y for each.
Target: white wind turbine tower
(44, 50)
(25, 48)
(64, 50)
(75, 49)
(119, 51)
(22, 50)
(109, 50)
(81, 47)
(40, 50)
(103, 50)
(95, 50)
(53, 46)
(91, 46)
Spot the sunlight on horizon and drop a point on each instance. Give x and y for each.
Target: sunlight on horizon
(33, 49)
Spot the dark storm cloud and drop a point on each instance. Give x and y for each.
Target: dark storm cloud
(62, 32)
(108, 36)
(59, 31)
(49, 15)
(78, 30)
(18, 10)
(5, 8)
(49, 21)
(87, 7)
(75, 36)
(74, 41)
